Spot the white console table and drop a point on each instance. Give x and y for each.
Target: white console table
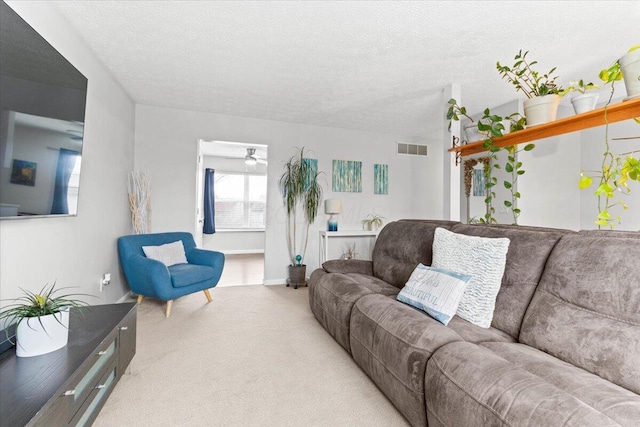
(326, 236)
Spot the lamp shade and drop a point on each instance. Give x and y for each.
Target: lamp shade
(332, 206)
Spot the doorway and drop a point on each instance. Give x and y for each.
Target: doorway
(237, 175)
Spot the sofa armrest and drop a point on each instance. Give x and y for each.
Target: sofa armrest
(206, 257)
(358, 266)
(146, 276)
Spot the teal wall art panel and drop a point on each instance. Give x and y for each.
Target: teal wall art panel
(347, 176)
(380, 179)
(479, 188)
(312, 172)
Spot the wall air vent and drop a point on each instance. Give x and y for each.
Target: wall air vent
(412, 149)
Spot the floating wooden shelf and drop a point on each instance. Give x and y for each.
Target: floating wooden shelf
(615, 113)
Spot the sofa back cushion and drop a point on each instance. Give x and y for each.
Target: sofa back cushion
(586, 310)
(401, 246)
(529, 249)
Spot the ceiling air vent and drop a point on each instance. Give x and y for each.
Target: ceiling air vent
(412, 149)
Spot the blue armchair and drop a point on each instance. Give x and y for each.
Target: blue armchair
(152, 278)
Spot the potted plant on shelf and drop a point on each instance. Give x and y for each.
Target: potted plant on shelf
(471, 128)
(300, 192)
(540, 89)
(42, 320)
(627, 67)
(372, 222)
(585, 100)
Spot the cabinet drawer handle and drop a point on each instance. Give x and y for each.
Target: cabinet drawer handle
(124, 328)
(101, 386)
(69, 393)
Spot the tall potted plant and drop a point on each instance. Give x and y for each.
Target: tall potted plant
(300, 192)
(540, 89)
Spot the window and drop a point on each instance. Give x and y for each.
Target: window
(240, 200)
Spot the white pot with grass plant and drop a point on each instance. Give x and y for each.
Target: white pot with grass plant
(372, 222)
(540, 89)
(42, 320)
(585, 98)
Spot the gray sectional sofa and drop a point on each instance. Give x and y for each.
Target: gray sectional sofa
(563, 348)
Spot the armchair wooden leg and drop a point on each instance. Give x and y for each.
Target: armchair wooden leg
(169, 307)
(140, 298)
(207, 294)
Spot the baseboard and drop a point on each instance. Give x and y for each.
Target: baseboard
(273, 282)
(243, 251)
(125, 297)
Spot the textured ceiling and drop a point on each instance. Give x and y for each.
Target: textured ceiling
(375, 66)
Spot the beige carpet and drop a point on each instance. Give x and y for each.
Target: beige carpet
(254, 356)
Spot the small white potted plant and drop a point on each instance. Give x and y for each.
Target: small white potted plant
(586, 97)
(470, 128)
(372, 222)
(42, 320)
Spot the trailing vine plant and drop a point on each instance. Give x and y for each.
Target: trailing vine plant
(514, 167)
(615, 172)
(492, 124)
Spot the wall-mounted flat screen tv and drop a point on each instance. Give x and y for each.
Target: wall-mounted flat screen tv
(42, 109)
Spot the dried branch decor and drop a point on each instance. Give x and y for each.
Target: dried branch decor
(139, 187)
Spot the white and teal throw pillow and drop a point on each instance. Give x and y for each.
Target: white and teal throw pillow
(169, 254)
(481, 257)
(435, 291)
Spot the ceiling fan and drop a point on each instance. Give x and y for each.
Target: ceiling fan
(251, 158)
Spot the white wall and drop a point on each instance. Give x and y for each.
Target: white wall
(549, 187)
(166, 148)
(76, 251)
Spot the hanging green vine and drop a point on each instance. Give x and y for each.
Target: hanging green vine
(492, 124)
(614, 174)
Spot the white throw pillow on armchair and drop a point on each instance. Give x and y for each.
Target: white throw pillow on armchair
(169, 254)
(482, 258)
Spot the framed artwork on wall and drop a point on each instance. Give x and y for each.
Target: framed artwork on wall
(23, 173)
(380, 179)
(347, 176)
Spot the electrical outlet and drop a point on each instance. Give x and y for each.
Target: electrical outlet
(106, 279)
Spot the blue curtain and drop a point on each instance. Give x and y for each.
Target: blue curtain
(66, 162)
(209, 202)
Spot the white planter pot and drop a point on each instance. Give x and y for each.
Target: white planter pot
(473, 134)
(584, 102)
(541, 109)
(41, 335)
(630, 66)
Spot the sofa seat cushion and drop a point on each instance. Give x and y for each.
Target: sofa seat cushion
(392, 342)
(512, 384)
(332, 296)
(190, 274)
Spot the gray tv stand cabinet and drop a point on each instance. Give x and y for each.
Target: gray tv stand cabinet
(68, 387)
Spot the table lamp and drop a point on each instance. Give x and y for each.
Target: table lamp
(333, 207)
